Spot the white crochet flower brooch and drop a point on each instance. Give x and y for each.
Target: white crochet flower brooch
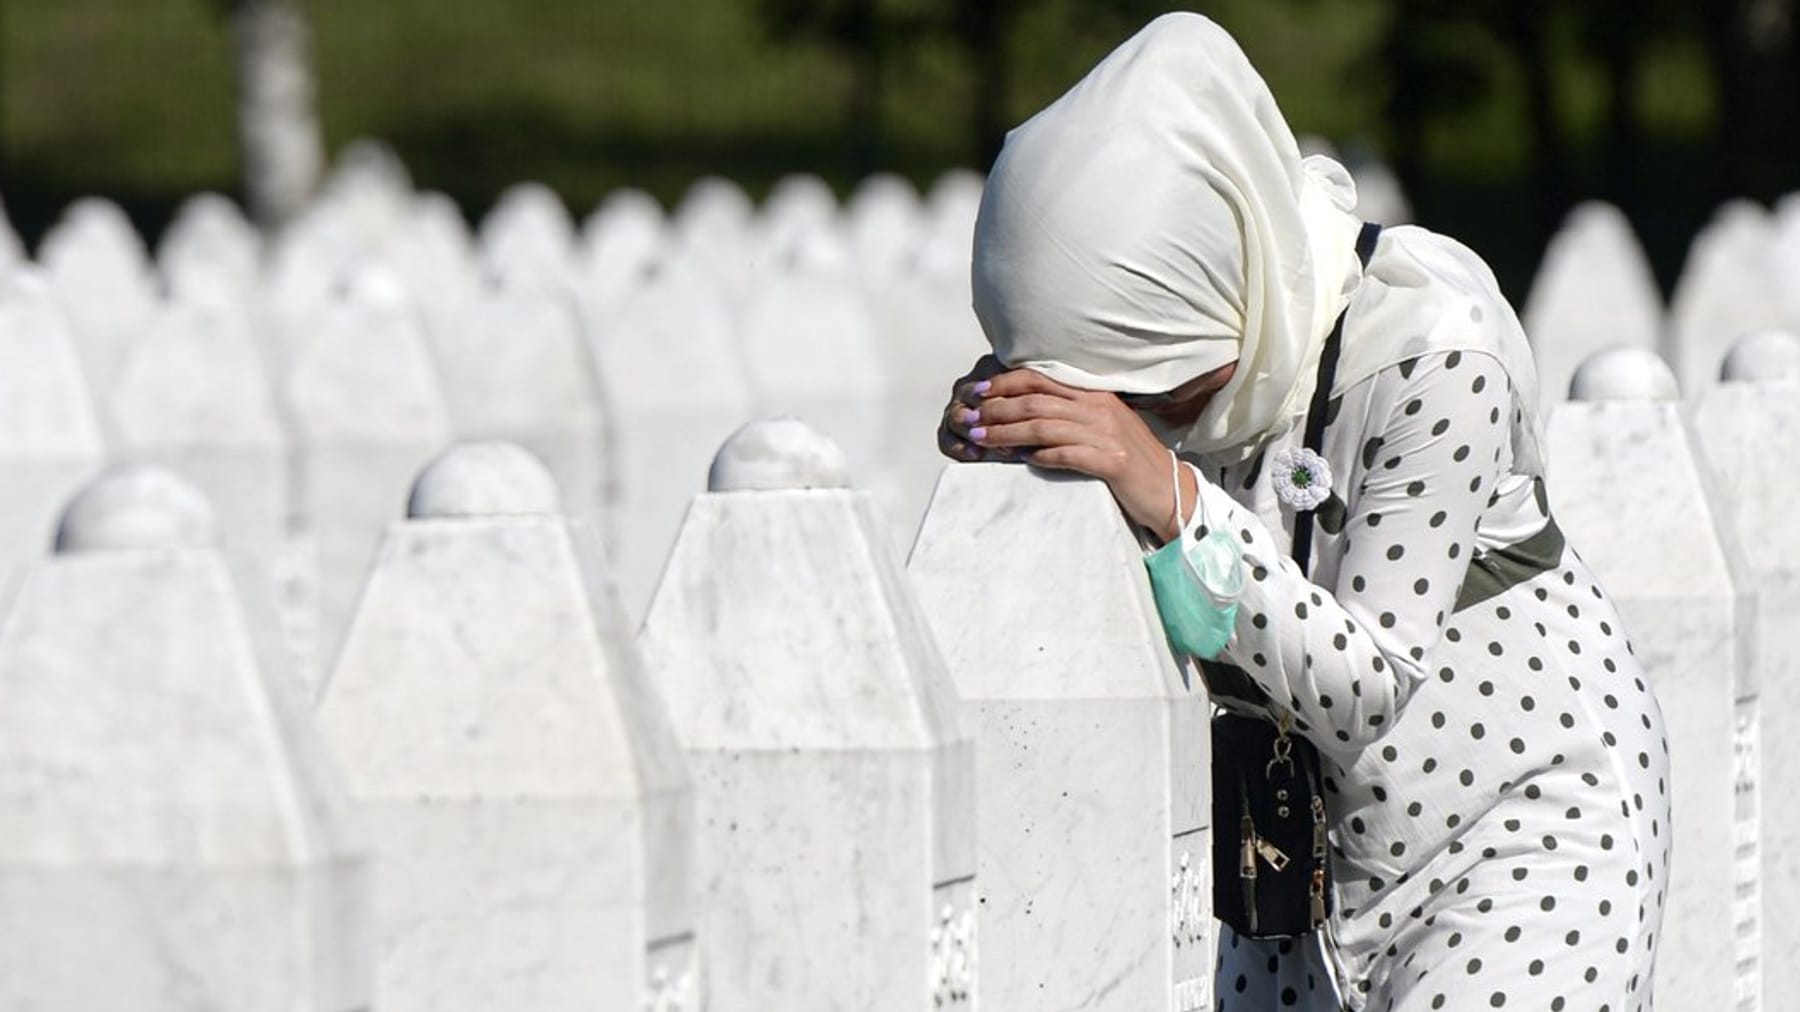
(1302, 478)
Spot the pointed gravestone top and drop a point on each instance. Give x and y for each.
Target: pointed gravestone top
(1593, 289)
(885, 216)
(210, 239)
(775, 454)
(1728, 288)
(620, 242)
(1769, 356)
(45, 406)
(1623, 374)
(528, 237)
(481, 479)
(137, 507)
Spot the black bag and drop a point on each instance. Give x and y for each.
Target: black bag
(1271, 867)
(1271, 874)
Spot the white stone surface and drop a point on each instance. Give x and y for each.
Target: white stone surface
(194, 397)
(50, 434)
(1093, 749)
(367, 192)
(211, 247)
(621, 242)
(833, 774)
(1623, 373)
(528, 240)
(1747, 431)
(137, 507)
(173, 835)
(674, 387)
(811, 348)
(778, 453)
(1594, 289)
(713, 224)
(1628, 489)
(1764, 357)
(1728, 288)
(484, 478)
(531, 812)
(884, 217)
(517, 366)
(1379, 196)
(97, 267)
(368, 410)
(434, 253)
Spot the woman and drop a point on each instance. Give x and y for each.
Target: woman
(1495, 761)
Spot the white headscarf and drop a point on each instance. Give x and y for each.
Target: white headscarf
(1157, 222)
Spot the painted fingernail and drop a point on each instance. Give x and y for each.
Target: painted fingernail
(984, 386)
(970, 416)
(978, 433)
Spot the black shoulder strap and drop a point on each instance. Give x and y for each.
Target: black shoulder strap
(1321, 398)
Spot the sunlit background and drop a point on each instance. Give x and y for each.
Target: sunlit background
(1497, 114)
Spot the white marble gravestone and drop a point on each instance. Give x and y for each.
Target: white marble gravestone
(97, 266)
(713, 223)
(800, 215)
(516, 366)
(674, 389)
(1627, 486)
(1093, 746)
(528, 240)
(531, 813)
(811, 347)
(367, 192)
(367, 410)
(210, 250)
(884, 217)
(50, 435)
(832, 770)
(620, 241)
(1379, 196)
(194, 397)
(1749, 426)
(173, 835)
(1728, 288)
(434, 253)
(1594, 289)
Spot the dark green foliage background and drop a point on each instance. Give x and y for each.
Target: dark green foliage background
(1500, 113)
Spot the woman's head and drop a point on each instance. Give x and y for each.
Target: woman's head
(1156, 224)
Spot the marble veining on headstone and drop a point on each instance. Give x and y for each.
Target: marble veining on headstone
(1092, 765)
(833, 774)
(173, 835)
(531, 813)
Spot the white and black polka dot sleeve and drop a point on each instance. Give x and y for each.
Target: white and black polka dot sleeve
(1345, 659)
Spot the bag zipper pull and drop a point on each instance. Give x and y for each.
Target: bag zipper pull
(1272, 854)
(1318, 838)
(1318, 897)
(1247, 848)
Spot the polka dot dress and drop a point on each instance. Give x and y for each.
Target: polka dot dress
(1497, 768)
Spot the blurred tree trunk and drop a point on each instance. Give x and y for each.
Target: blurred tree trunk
(1752, 47)
(983, 31)
(279, 139)
(1525, 27)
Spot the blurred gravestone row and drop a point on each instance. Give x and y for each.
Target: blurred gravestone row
(321, 556)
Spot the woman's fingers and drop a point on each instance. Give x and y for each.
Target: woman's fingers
(1084, 459)
(1020, 382)
(1002, 410)
(1033, 432)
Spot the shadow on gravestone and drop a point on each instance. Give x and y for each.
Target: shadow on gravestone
(1594, 289)
(1629, 489)
(50, 436)
(1092, 746)
(175, 836)
(832, 770)
(1749, 426)
(531, 812)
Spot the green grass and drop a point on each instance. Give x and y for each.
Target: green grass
(133, 99)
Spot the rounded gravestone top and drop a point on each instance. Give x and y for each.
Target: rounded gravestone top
(484, 478)
(136, 507)
(1623, 373)
(1767, 356)
(778, 453)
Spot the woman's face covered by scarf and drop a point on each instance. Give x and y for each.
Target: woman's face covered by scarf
(1157, 222)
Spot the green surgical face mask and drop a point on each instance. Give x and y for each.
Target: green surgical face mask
(1197, 582)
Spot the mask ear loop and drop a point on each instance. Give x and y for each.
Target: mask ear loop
(1175, 479)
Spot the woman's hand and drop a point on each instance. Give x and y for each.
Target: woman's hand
(1056, 426)
(965, 394)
